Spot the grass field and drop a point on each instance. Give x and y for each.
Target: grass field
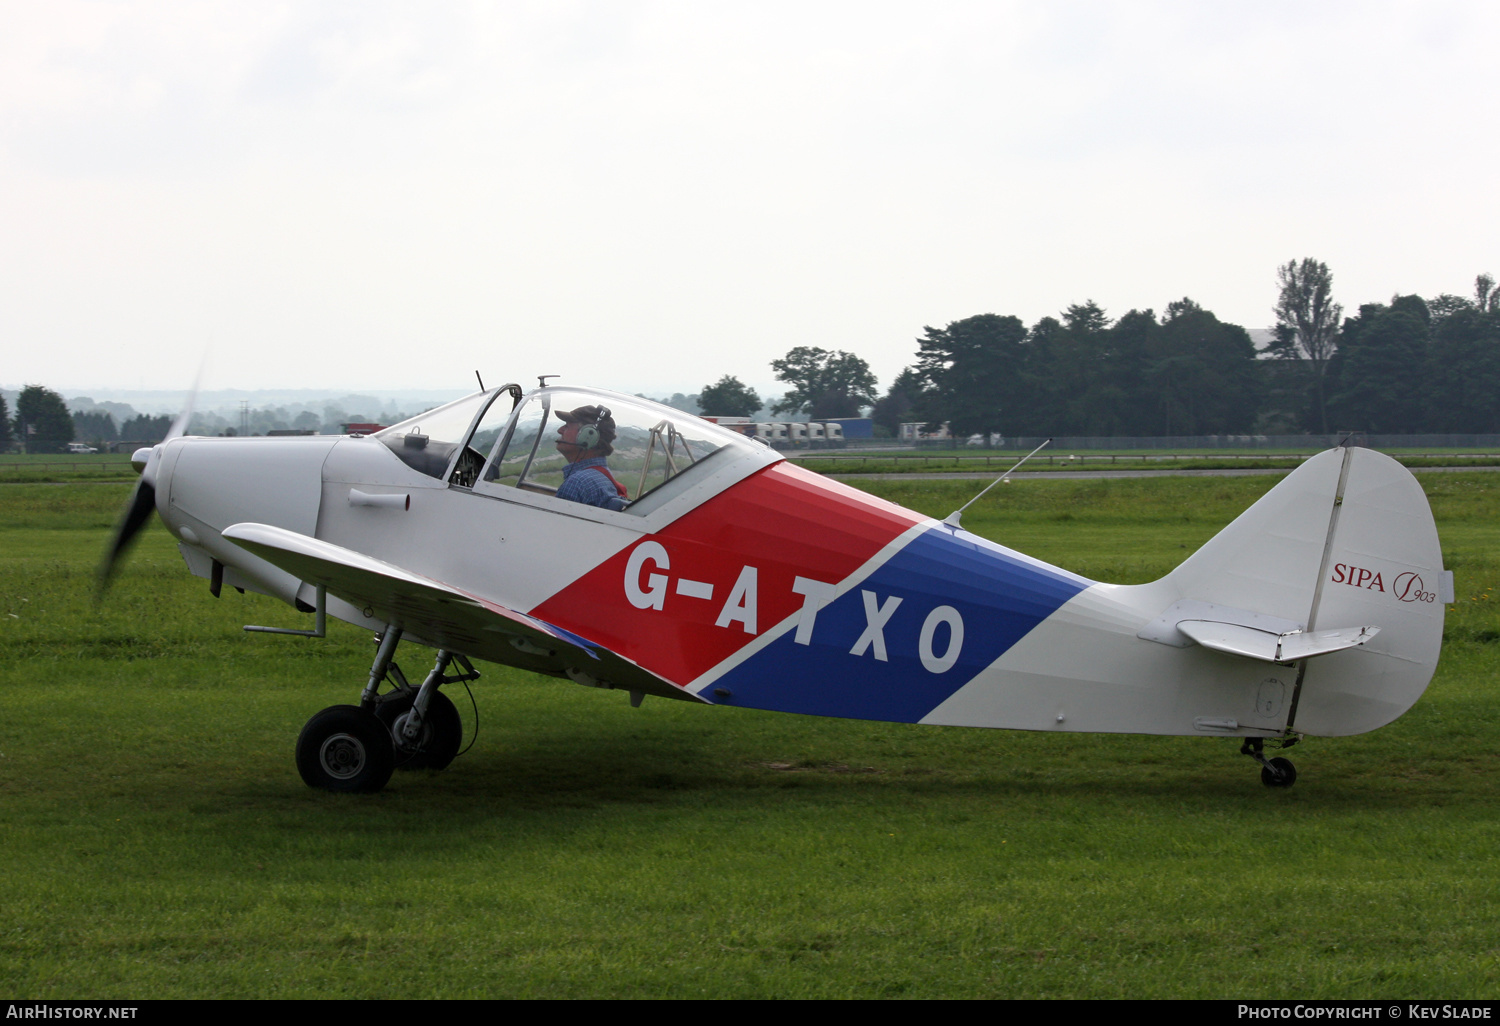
(157, 841)
(37, 468)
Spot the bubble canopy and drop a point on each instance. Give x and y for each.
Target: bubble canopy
(481, 442)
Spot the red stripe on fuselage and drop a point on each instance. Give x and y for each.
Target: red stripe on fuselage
(785, 522)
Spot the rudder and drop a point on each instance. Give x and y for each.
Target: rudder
(1383, 566)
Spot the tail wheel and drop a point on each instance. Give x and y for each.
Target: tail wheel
(345, 748)
(438, 741)
(1278, 772)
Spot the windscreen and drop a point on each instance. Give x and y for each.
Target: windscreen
(643, 445)
(428, 441)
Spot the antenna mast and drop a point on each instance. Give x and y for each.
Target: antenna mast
(952, 518)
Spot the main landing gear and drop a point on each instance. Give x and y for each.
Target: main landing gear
(1277, 772)
(355, 748)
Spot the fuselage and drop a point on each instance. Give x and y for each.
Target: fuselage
(739, 579)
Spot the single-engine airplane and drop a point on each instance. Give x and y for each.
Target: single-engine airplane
(711, 570)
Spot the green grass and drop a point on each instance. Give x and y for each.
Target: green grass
(38, 468)
(157, 841)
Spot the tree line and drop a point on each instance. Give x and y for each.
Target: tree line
(1409, 366)
(43, 424)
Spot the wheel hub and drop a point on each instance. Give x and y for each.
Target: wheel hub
(342, 756)
(410, 744)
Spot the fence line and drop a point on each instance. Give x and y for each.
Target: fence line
(1315, 443)
(84, 466)
(1110, 458)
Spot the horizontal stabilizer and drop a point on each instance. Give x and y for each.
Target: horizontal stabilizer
(1270, 646)
(1163, 629)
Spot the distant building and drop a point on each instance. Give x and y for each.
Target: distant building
(739, 425)
(856, 427)
(917, 432)
(1261, 339)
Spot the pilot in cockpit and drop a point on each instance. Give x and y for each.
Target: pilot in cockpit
(584, 440)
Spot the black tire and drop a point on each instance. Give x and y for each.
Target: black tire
(442, 730)
(345, 748)
(1278, 772)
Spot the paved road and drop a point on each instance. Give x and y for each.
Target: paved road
(1074, 475)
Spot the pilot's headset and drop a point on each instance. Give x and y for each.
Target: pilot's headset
(588, 434)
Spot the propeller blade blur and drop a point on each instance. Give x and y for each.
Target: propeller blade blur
(143, 499)
(142, 505)
(180, 425)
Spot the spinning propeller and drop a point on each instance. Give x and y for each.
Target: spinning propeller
(143, 498)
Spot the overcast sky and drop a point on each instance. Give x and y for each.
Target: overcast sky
(649, 195)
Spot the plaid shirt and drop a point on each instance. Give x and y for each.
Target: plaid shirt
(592, 489)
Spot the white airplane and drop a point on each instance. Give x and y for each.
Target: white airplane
(699, 565)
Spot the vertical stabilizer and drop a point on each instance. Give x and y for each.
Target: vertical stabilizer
(1344, 541)
(1267, 559)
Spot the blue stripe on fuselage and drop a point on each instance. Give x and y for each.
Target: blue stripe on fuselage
(999, 595)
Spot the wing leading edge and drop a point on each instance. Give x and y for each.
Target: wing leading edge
(444, 616)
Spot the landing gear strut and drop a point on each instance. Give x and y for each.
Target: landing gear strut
(1277, 772)
(356, 748)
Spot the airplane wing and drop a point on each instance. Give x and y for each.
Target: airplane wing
(440, 614)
